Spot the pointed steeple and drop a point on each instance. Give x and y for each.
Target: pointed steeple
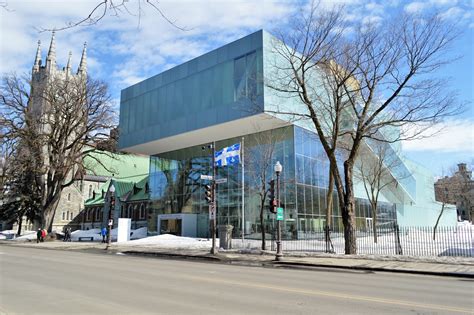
(83, 64)
(51, 59)
(68, 66)
(37, 64)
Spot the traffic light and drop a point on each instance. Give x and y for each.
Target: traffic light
(272, 202)
(208, 193)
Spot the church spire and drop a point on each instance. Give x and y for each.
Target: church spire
(68, 66)
(37, 63)
(51, 59)
(83, 64)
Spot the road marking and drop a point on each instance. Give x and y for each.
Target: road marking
(336, 295)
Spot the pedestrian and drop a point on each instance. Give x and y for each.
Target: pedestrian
(43, 235)
(69, 234)
(38, 235)
(104, 234)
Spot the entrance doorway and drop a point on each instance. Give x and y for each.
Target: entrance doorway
(170, 226)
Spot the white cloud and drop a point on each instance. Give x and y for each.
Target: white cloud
(416, 7)
(453, 136)
(453, 13)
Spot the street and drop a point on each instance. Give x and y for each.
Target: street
(40, 281)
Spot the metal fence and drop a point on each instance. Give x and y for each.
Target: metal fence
(391, 240)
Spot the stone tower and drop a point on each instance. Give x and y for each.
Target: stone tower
(44, 73)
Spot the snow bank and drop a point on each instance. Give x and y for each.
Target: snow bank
(171, 241)
(27, 236)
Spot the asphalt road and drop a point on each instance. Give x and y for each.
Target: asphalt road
(40, 281)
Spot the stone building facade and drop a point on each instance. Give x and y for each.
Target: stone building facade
(92, 175)
(458, 190)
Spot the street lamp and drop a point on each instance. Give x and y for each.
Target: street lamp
(111, 220)
(278, 168)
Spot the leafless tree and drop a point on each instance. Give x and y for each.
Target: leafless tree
(259, 159)
(377, 167)
(59, 124)
(361, 85)
(104, 8)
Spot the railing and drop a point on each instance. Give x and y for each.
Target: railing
(391, 240)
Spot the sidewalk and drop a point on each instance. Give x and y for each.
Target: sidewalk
(442, 266)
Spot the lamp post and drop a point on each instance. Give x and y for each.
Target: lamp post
(110, 220)
(278, 168)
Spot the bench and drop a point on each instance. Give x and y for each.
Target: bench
(86, 238)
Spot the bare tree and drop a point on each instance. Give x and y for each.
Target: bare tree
(359, 86)
(259, 158)
(376, 169)
(59, 124)
(104, 8)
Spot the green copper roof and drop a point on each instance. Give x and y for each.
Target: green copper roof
(124, 167)
(125, 190)
(140, 191)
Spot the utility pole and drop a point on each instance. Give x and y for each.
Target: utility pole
(110, 222)
(211, 197)
(279, 254)
(213, 203)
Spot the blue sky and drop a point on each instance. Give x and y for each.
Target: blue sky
(121, 52)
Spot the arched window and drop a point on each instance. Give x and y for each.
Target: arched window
(129, 211)
(142, 211)
(97, 214)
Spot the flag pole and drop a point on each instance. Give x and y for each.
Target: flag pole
(243, 192)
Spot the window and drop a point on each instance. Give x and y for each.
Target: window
(245, 80)
(64, 215)
(142, 211)
(90, 191)
(69, 197)
(81, 186)
(129, 211)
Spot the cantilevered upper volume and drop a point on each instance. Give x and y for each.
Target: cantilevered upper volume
(212, 97)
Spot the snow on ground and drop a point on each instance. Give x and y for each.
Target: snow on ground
(26, 236)
(171, 241)
(413, 242)
(97, 237)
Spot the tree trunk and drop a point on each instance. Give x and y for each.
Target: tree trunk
(348, 212)
(48, 214)
(374, 220)
(20, 222)
(329, 205)
(262, 224)
(437, 221)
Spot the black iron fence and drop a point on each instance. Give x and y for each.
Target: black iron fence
(389, 240)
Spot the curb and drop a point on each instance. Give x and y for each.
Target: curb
(293, 265)
(375, 269)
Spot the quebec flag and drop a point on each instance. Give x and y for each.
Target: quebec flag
(228, 155)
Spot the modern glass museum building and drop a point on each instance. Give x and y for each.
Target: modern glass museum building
(220, 98)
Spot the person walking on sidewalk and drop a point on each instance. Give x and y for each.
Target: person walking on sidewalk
(39, 235)
(103, 232)
(43, 235)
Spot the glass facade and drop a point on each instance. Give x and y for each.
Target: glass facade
(176, 186)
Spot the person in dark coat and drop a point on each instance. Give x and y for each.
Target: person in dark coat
(39, 234)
